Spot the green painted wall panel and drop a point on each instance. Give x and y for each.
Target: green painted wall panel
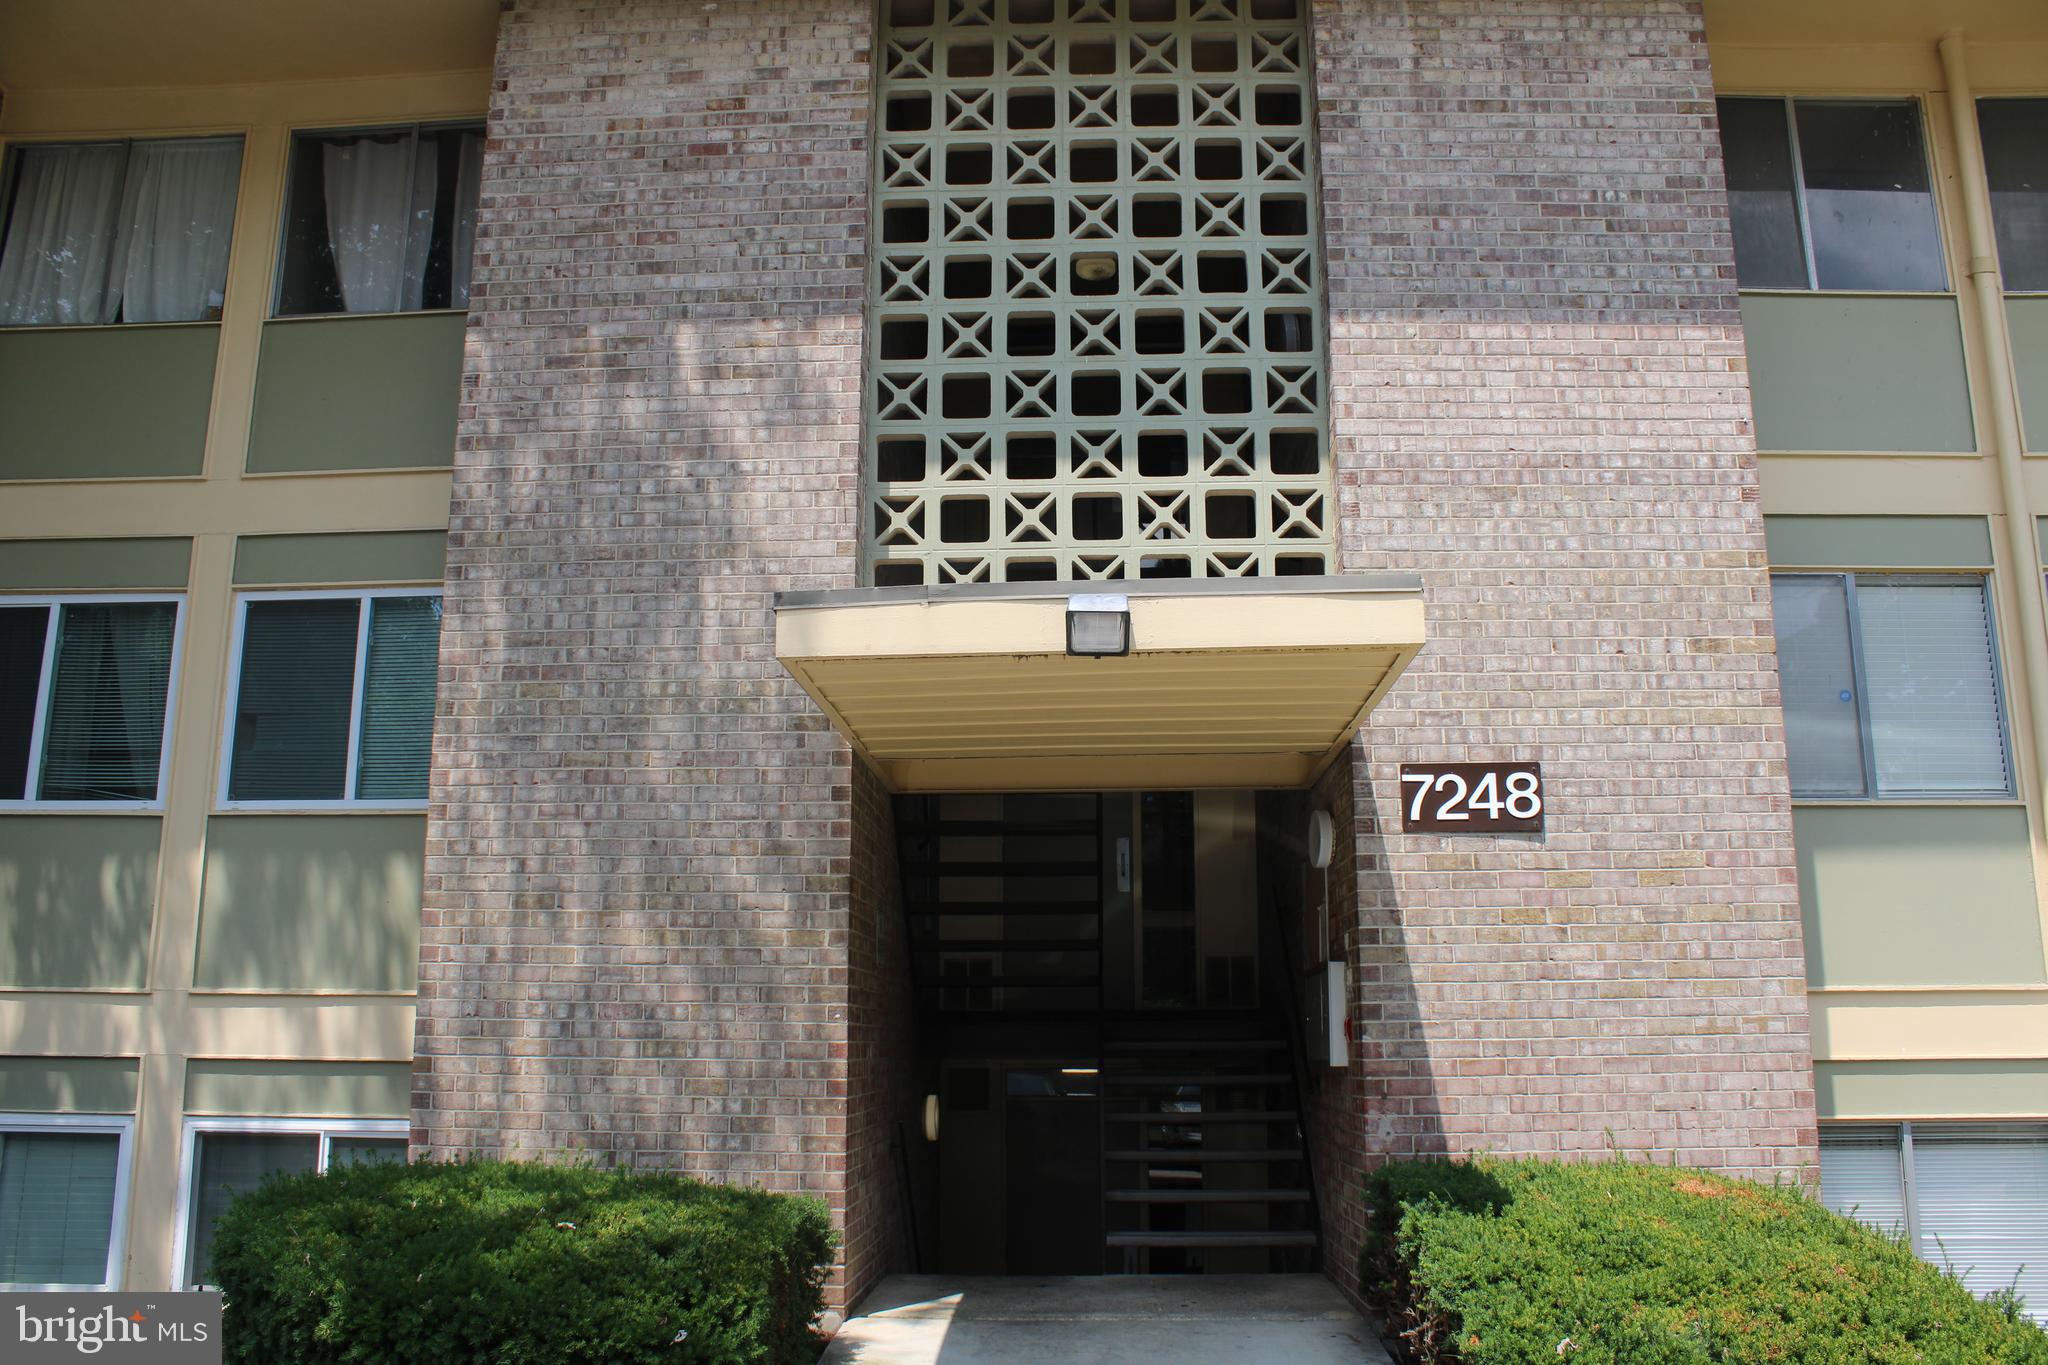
(61, 565)
(353, 1090)
(311, 902)
(364, 557)
(67, 1085)
(1852, 372)
(357, 393)
(1879, 542)
(2028, 319)
(76, 893)
(1899, 895)
(105, 402)
(1931, 1089)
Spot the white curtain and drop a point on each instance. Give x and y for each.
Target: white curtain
(469, 179)
(368, 202)
(55, 262)
(177, 216)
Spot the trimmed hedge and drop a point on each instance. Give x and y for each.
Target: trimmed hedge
(1500, 1262)
(516, 1263)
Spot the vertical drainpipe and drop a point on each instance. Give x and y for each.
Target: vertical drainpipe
(2023, 548)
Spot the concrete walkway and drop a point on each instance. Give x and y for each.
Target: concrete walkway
(1106, 1320)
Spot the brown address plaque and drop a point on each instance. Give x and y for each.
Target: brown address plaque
(1472, 798)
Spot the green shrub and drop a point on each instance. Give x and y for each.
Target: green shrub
(1519, 1262)
(506, 1263)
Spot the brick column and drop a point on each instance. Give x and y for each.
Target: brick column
(639, 849)
(1540, 404)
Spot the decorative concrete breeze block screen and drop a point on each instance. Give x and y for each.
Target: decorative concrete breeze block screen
(1096, 342)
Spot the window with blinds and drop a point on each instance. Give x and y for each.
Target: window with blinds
(84, 692)
(1981, 1191)
(1861, 1175)
(59, 1192)
(1890, 686)
(1971, 1197)
(231, 1164)
(334, 699)
(230, 1157)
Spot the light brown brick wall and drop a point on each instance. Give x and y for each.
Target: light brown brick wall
(639, 896)
(1540, 404)
(886, 1151)
(659, 919)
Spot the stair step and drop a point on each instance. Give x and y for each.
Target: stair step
(1243, 1078)
(1209, 1116)
(1211, 1239)
(1193, 1047)
(997, 827)
(1007, 945)
(1019, 867)
(1166, 1157)
(1087, 908)
(1273, 1196)
(996, 983)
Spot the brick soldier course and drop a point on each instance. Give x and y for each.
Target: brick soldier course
(661, 925)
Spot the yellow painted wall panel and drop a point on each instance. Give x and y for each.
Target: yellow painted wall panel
(357, 393)
(311, 902)
(67, 1085)
(1825, 372)
(1931, 1089)
(2028, 318)
(83, 565)
(357, 1090)
(363, 557)
(1898, 895)
(1878, 542)
(105, 402)
(76, 894)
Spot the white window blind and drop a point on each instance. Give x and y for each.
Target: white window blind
(1983, 1205)
(84, 693)
(398, 697)
(1817, 679)
(335, 698)
(231, 1164)
(57, 1194)
(1890, 686)
(1861, 1176)
(1934, 714)
(105, 735)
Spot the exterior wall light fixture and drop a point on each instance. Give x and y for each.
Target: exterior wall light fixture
(1099, 625)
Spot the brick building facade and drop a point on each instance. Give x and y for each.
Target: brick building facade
(658, 924)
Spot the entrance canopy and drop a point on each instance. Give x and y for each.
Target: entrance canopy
(1226, 682)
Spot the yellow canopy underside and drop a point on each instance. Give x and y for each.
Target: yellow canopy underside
(977, 693)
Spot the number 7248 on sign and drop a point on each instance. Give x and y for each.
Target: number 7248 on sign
(1472, 798)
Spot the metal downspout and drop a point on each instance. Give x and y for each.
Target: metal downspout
(2023, 548)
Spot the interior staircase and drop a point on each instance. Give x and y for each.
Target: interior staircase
(1204, 1166)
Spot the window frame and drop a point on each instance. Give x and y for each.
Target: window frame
(38, 732)
(1866, 733)
(1804, 215)
(232, 697)
(414, 128)
(10, 187)
(122, 1127)
(1977, 113)
(325, 1129)
(1926, 1246)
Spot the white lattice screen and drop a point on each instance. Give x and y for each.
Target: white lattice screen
(1096, 347)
